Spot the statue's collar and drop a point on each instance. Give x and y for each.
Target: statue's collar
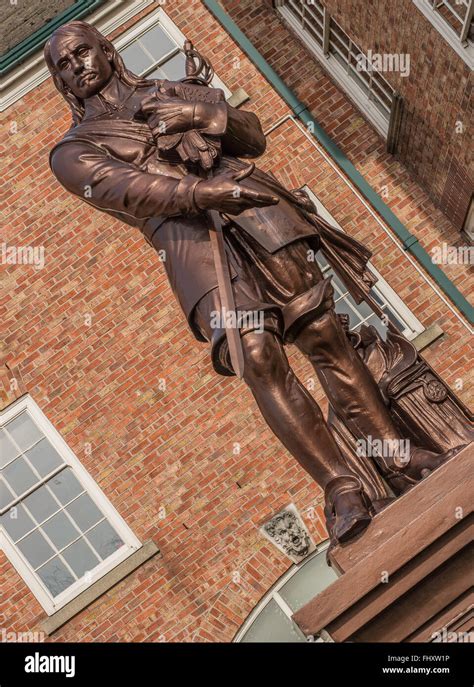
(112, 98)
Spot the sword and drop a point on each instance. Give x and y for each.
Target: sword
(224, 283)
(202, 73)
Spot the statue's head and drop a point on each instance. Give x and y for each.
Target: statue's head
(82, 61)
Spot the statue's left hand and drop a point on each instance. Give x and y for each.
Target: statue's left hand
(173, 115)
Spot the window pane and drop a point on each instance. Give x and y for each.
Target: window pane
(157, 74)
(17, 522)
(296, 8)
(174, 69)
(344, 51)
(84, 512)
(379, 326)
(339, 286)
(321, 260)
(376, 297)
(56, 576)
(272, 625)
(35, 548)
(368, 322)
(342, 307)
(65, 486)
(394, 320)
(19, 475)
(44, 505)
(80, 557)
(41, 504)
(311, 579)
(135, 59)
(24, 431)
(157, 42)
(7, 449)
(6, 495)
(104, 539)
(363, 309)
(60, 530)
(44, 457)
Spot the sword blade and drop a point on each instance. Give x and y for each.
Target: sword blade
(225, 292)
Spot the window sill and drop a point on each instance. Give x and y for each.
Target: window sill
(427, 337)
(238, 98)
(116, 575)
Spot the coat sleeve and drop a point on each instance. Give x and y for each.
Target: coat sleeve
(241, 132)
(92, 174)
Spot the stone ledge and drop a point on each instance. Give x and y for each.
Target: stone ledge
(116, 575)
(238, 97)
(426, 338)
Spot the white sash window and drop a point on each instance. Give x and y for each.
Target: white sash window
(57, 527)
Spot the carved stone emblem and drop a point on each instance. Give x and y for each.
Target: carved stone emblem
(287, 531)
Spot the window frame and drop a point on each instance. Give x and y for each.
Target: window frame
(468, 224)
(159, 17)
(273, 595)
(465, 49)
(340, 73)
(413, 326)
(131, 543)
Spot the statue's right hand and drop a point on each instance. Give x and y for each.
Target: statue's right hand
(225, 194)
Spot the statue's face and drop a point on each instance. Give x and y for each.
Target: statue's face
(82, 63)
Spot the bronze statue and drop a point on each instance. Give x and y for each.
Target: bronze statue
(162, 156)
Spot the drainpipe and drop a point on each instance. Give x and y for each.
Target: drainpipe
(409, 241)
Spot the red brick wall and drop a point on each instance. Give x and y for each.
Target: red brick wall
(437, 94)
(99, 384)
(343, 121)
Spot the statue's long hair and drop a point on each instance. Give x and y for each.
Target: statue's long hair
(75, 28)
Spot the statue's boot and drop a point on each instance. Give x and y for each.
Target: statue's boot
(346, 511)
(421, 464)
(296, 419)
(356, 399)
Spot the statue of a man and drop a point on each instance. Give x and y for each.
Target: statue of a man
(114, 158)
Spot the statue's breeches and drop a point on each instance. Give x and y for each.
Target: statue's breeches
(278, 292)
